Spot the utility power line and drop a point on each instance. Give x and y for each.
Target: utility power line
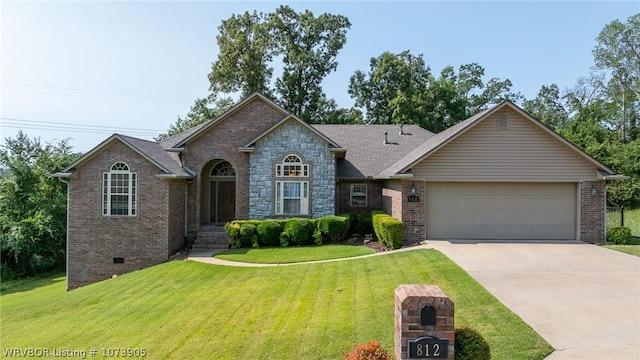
(73, 127)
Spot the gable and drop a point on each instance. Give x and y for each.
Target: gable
(525, 151)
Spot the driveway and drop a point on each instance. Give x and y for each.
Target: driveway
(583, 299)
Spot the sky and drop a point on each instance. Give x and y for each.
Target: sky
(84, 70)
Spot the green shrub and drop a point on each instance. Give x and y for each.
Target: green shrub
(317, 237)
(361, 224)
(332, 228)
(388, 230)
(369, 351)
(298, 231)
(233, 231)
(470, 345)
(620, 235)
(269, 232)
(248, 235)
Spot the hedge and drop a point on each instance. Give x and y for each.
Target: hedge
(286, 232)
(388, 230)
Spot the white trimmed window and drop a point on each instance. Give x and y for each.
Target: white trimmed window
(119, 191)
(292, 166)
(292, 197)
(358, 195)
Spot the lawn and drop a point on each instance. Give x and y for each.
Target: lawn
(186, 309)
(294, 254)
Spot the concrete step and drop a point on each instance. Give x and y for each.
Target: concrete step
(213, 237)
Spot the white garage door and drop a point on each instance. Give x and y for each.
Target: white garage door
(501, 211)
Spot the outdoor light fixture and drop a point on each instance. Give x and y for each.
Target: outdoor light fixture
(594, 190)
(413, 188)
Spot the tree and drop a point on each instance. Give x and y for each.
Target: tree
(200, 112)
(548, 107)
(309, 46)
(399, 88)
(246, 49)
(618, 51)
(32, 206)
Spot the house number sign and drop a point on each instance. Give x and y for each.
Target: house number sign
(428, 347)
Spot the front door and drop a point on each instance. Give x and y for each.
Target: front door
(223, 201)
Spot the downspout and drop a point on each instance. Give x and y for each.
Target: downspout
(186, 209)
(66, 254)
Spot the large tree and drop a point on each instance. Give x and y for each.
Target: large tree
(32, 206)
(618, 51)
(548, 107)
(399, 88)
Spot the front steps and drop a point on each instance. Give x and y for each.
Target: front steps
(211, 237)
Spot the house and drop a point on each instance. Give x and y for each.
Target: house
(500, 174)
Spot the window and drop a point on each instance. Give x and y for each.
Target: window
(358, 195)
(119, 191)
(292, 166)
(292, 197)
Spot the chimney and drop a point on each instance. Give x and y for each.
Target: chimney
(385, 138)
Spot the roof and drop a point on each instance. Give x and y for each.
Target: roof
(249, 146)
(366, 153)
(181, 139)
(168, 163)
(403, 165)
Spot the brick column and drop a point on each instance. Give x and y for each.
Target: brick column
(592, 211)
(424, 322)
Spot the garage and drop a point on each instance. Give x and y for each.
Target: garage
(501, 211)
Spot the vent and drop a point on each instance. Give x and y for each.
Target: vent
(503, 121)
(118, 260)
(386, 140)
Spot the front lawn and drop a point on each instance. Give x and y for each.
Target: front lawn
(294, 254)
(628, 249)
(186, 309)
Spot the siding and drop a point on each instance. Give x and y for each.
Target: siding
(523, 152)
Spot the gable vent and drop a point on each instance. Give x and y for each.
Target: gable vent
(503, 121)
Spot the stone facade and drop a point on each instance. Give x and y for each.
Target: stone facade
(291, 137)
(592, 212)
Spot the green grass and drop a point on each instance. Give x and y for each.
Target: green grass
(628, 249)
(631, 220)
(186, 309)
(294, 254)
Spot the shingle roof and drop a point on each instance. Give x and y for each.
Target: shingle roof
(366, 153)
(169, 162)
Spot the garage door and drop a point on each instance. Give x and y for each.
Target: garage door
(501, 211)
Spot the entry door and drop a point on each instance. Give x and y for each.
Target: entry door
(223, 201)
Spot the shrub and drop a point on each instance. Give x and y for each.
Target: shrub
(331, 228)
(369, 351)
(619, 235)
(248, 235)
(233, 231)
(388, 229)
(361, 224)
(269, 232)
(298, 231)
(470, 345)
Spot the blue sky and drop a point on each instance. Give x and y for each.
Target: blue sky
(138, 65)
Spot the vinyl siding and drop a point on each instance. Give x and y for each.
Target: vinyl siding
(523, 152)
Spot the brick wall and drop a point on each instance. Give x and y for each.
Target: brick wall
(222, 142)
(412, 214)
(592, 212)
(94, 240)
(374, 197)
(175, 206)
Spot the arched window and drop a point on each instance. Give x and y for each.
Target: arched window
(119, 191)
(292, 196)
(292, 166)
(223, 168)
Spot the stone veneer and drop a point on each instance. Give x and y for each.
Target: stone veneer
(291, 137)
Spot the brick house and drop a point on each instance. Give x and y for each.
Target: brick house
(500, 174)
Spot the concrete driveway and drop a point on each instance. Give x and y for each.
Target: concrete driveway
(583, 299)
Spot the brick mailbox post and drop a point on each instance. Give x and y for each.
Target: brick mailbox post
(424, 323)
